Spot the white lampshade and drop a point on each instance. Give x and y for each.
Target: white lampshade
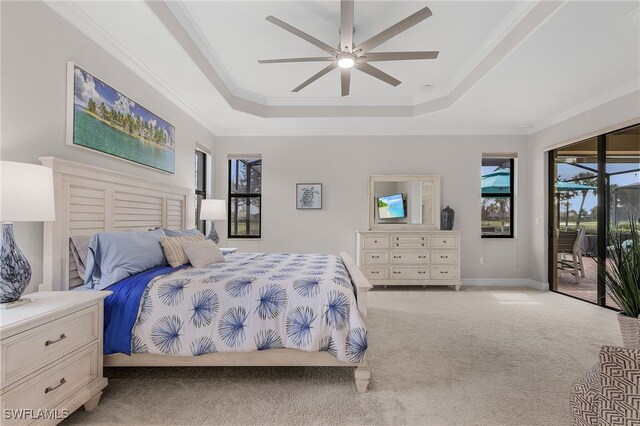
(26, 193)
(213, 210)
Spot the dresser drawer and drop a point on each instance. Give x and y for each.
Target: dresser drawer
(58, 382)
(375, 257)
(375, 241)
(409, 241)
(376, 272)
(444, 256)
(444, 241)
(444, 273)
(26, 352)
(410, 273)
(409, 257)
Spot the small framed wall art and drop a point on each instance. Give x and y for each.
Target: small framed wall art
(308, 196)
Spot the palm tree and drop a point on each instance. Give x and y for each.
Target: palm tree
(565, 197)
(584, 178)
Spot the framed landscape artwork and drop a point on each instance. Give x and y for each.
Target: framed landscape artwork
(101, 118)
(309, 196)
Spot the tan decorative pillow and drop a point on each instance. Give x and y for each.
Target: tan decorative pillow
(202, 253)
(173, 251)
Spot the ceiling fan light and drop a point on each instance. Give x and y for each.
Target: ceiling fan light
(346, 62)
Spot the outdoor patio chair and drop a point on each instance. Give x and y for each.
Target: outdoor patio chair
(569, 244)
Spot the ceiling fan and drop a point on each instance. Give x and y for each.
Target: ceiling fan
(348, 55)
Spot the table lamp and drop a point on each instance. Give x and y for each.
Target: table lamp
(213, 210)
(26, 195)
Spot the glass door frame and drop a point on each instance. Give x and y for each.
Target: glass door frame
(602, 219)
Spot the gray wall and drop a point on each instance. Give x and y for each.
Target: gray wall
(343, 164)
(36, 45)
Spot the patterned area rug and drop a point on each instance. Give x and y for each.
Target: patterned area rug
(481, 356)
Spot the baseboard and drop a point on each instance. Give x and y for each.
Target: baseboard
(505, 282)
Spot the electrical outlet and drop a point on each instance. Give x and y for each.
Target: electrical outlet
(482, 260)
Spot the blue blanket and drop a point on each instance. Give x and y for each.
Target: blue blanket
(121, 308)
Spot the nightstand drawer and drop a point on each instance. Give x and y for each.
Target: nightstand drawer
(375, 257)
(58, 382)
(28, 351)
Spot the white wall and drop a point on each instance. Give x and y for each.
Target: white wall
(36, 45)
(612, 115)
(343, 164)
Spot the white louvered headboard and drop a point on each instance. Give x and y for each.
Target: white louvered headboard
(90, 199)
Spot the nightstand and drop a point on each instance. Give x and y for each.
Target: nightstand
(51, 356)
(229, 250)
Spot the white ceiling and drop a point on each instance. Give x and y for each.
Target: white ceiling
(503, 65)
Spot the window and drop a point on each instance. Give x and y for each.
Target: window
(497, 210)
(245, 188)
(201, 187)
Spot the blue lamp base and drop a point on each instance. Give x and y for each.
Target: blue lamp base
(15, 271)
(213, 235)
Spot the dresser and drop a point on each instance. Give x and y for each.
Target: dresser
(409, 257)
(51, 356)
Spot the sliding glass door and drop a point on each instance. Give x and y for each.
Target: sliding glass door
(623, 182)
(594, 188)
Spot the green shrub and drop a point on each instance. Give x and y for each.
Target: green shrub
(622, 274)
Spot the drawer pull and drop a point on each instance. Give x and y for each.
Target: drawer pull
(422, 257)
(444, 257)
(422, 238)
(422, 244)
(444, 241)
(375, 257)
(397, 245)
(375, 272)
(51, 342)
(444, 272)
(397, 272)
(51, 389)
(422, 272)
(397, 257)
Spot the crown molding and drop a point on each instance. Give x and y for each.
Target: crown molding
(75, 16)
(370, 132)
(625, 89)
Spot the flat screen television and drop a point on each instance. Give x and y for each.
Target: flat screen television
(391, 206)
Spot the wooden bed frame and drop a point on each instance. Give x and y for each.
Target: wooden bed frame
(90, 199)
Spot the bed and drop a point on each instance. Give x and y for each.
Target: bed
(91, 200)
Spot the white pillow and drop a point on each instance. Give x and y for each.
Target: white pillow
(202, 253)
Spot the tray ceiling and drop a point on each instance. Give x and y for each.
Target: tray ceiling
(504, 66)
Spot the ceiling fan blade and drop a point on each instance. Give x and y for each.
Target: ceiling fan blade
(314, 77)
(301, 34)
(397, 56)
(375, 72)
(345, 80)
(346, 25)
(395, 29)
(313, 59)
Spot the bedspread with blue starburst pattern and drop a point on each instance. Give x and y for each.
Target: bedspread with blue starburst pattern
(253, 301)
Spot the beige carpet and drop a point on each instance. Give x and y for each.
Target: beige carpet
(476, 357)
